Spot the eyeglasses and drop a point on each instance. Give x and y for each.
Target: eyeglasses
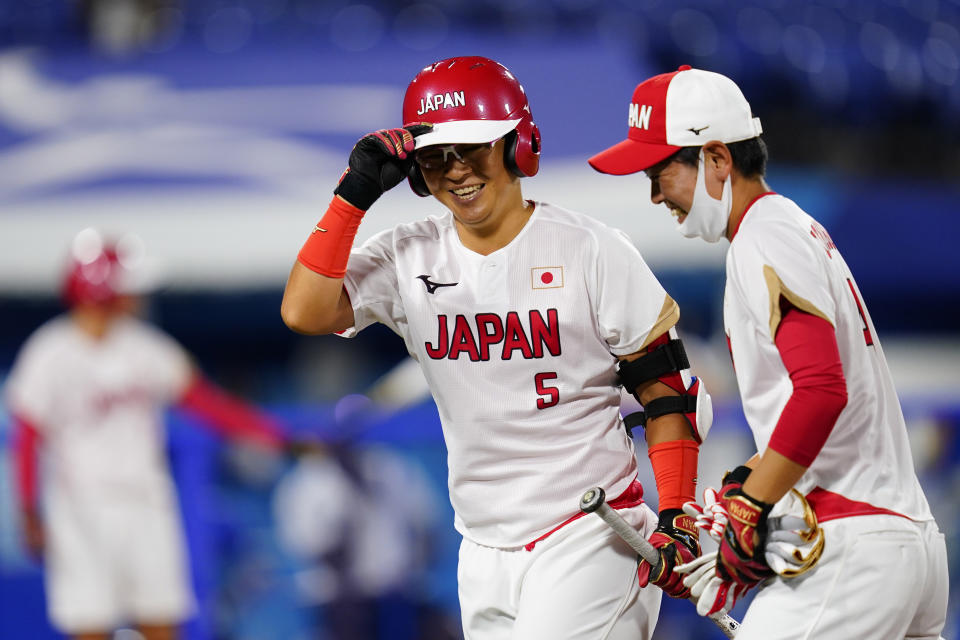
(436, 157)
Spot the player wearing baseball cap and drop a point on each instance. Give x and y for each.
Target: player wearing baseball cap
(815, 388)
(89, 387)
(518, 312)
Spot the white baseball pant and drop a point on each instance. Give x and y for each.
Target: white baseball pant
(580, 583)
(880, 578)
(109, 563)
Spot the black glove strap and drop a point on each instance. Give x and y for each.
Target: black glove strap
(634, 420)
(737, 476)
(358, 191)
(660, 407)
(664, 359)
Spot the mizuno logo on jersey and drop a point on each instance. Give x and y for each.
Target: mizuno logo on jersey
(487, 335)
(639, 116)
(433, 286)
(441, 101)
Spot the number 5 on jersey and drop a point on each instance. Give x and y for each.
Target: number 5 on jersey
(552, 393)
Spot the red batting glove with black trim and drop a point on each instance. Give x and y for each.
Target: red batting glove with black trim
(740, 556)
(379, 162)
(677, 540)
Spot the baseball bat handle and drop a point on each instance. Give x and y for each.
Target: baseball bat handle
(593, 502)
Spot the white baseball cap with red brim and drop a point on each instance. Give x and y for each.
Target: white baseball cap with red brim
(685, 108)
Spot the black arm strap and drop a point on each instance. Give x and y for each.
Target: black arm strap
(666, 358)
(660, 407)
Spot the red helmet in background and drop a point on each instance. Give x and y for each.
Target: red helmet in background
(99, 272)
(470, 100)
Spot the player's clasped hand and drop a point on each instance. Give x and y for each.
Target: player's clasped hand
(711, 517)
(741, 552)
(677, 541)
(711, 592)
(379, 162)
(717, 580)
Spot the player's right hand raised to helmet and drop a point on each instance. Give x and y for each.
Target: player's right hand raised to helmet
(379, 162)
(677, 542)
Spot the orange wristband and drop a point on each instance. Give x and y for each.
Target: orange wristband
(675, 468)
(327, 250)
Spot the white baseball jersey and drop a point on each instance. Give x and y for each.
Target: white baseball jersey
(779, 250)
(98, 404)
(518, 348)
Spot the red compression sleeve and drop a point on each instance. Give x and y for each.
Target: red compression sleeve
(808, 348)
(675, 468)
(229, 415)
(25, 441)
(327, 249)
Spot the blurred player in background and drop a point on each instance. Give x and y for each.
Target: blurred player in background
(89, 388)
(814, 384)
(359, 519)
(518, 312)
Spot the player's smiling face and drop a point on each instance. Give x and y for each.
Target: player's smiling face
(672, 183)
(476, 186)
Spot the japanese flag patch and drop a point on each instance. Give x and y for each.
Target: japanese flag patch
(546, 277)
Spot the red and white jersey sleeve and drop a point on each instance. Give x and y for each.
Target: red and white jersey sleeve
(98, 403)
(779, 251)
(518, 348)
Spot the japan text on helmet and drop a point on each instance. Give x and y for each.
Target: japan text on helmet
(98, 272)
(471, 100)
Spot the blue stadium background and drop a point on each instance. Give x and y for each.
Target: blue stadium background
(215, 129)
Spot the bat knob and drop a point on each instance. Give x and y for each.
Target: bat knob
(592, 499)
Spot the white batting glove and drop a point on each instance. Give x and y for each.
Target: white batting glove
(711, 517)
(711, 592)
(795, 540)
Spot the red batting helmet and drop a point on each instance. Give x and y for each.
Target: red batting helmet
(98, 272)
(472, 99)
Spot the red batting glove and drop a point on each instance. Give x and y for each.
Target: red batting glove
(740, 556)
(677, 541)
(379, 161)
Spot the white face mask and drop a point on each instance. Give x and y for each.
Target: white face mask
(707, 217)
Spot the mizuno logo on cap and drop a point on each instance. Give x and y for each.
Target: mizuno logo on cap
(442, 101)
(639, 116)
